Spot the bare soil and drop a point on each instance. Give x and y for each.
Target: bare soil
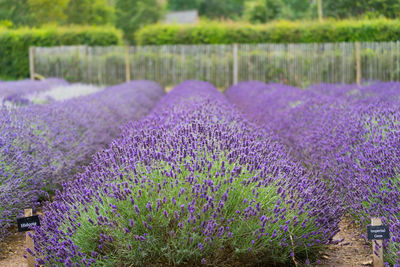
(354, 251)
(13, 250)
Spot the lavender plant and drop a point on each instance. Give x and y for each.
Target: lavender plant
(41, 146)
(63, 92)
(16, 92)
(346, 134)
(194, 183)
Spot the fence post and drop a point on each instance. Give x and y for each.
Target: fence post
(127, 64)
(87, 78)
(32, 62)
(183, 63)
(29, 242)
(358, 62)
(377, 245)
(235, 64)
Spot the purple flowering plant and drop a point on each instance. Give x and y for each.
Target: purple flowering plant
(192, 183)
(346, 135)
(42, 146)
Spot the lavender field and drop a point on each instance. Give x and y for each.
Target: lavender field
(43, 146)
(260, 175)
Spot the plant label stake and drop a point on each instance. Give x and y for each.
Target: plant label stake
(25, 224)
(377, 232)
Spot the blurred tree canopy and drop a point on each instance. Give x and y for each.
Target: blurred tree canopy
(297, 9)
(16, 11)
(48, 11)
(93, 12)
(262, 11)
(356, 8)
(39, 12)
(133, 14)
(177, 5)
(215, 9)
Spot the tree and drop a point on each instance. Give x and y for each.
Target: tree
(256, 12)
(16, 11)
(357, 8)
(131, 15)
(48, 11)
(221, 9)
(93, 12)
(183, 4)
(262, 11)
(296, 9)
(274, 9)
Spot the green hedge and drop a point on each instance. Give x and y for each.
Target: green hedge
(276, 32)
(14, 44)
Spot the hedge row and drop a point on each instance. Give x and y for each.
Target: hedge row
(14, 44)
(276, 32)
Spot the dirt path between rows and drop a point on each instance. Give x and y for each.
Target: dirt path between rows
(13, 251)
(354, 251)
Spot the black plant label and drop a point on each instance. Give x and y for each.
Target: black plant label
(378, 232)
(26, 223)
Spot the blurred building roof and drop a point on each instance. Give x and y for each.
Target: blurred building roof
(182, 17)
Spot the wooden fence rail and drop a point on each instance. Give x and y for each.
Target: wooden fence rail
(222, 65)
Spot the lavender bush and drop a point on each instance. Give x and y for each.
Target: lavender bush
(16, 91)
(194, 183)
(42, 146)
(346, 134)
(62, 92)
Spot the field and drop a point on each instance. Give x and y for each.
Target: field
(260, 175)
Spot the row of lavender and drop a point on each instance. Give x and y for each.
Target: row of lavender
(348, 135)
(16, 91)
(192, 183)
(25, 92)
(42, 146)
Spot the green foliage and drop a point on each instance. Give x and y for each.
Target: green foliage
(229, 9)
(274, 9)
(183, 4)
(15, 44)
(356, 8)
(296, 9)
(6, 24)
(275, 32)
(163, 247)
(134, 14)
(16, 11)
(256, 12)
(48, 11)
(262, 11)
(93, 12)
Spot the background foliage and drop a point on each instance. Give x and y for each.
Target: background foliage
(280, 21)
(275, 32)
(95, 12)
(133, 14)
(15, 44)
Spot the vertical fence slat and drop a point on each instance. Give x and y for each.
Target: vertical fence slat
(127, 64)
(32, 62)
(358, 62)
(235, 64)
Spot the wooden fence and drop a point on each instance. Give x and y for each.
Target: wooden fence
(222, 65)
